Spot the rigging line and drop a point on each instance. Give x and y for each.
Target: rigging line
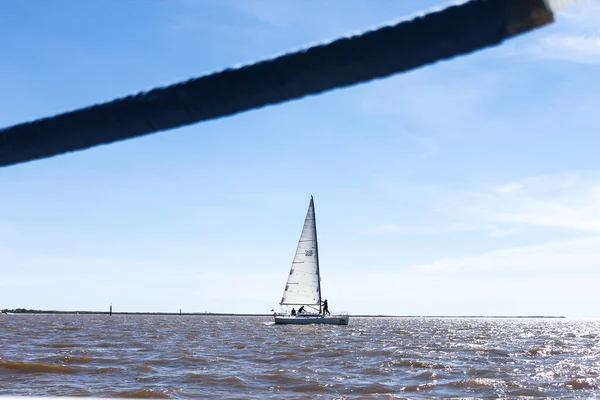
(456, 30)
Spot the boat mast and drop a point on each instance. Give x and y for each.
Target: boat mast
(312, 203)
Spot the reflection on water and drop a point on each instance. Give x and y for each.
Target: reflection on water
(249, 357)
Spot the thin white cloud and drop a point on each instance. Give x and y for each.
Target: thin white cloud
(574, 38)
(569, 202)
(573, 48)
(584, 15)
(549, 279)
(570, 256)
(559, 5)
(566, 203)
(508, 187)
(448, 228)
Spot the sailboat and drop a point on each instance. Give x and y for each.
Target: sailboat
(303, 288)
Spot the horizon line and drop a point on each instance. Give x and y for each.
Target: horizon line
(205, 313)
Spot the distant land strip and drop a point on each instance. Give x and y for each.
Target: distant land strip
(213, 314)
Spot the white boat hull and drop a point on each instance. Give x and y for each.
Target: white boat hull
(312, 319)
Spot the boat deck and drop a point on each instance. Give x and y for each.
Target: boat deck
(306, 319)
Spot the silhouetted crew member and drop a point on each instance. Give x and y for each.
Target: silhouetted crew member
(326, 307)
(293, 312)
(301, 310)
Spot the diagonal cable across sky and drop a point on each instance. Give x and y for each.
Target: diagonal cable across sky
(392, 49)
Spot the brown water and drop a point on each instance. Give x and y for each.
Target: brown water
(250, 358)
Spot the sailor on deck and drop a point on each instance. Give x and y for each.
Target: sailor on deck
(326, 308)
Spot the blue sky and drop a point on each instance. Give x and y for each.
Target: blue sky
(470, 187)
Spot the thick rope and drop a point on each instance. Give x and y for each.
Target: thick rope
(347, 61)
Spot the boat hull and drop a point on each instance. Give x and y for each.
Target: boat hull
(312, 319)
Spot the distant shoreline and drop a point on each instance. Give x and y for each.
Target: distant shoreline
(212, 314)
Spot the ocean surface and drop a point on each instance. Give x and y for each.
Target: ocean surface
(250, 358)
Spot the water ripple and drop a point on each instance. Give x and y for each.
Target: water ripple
(228, 357)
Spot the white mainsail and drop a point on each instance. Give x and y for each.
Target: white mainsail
(303, 284)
